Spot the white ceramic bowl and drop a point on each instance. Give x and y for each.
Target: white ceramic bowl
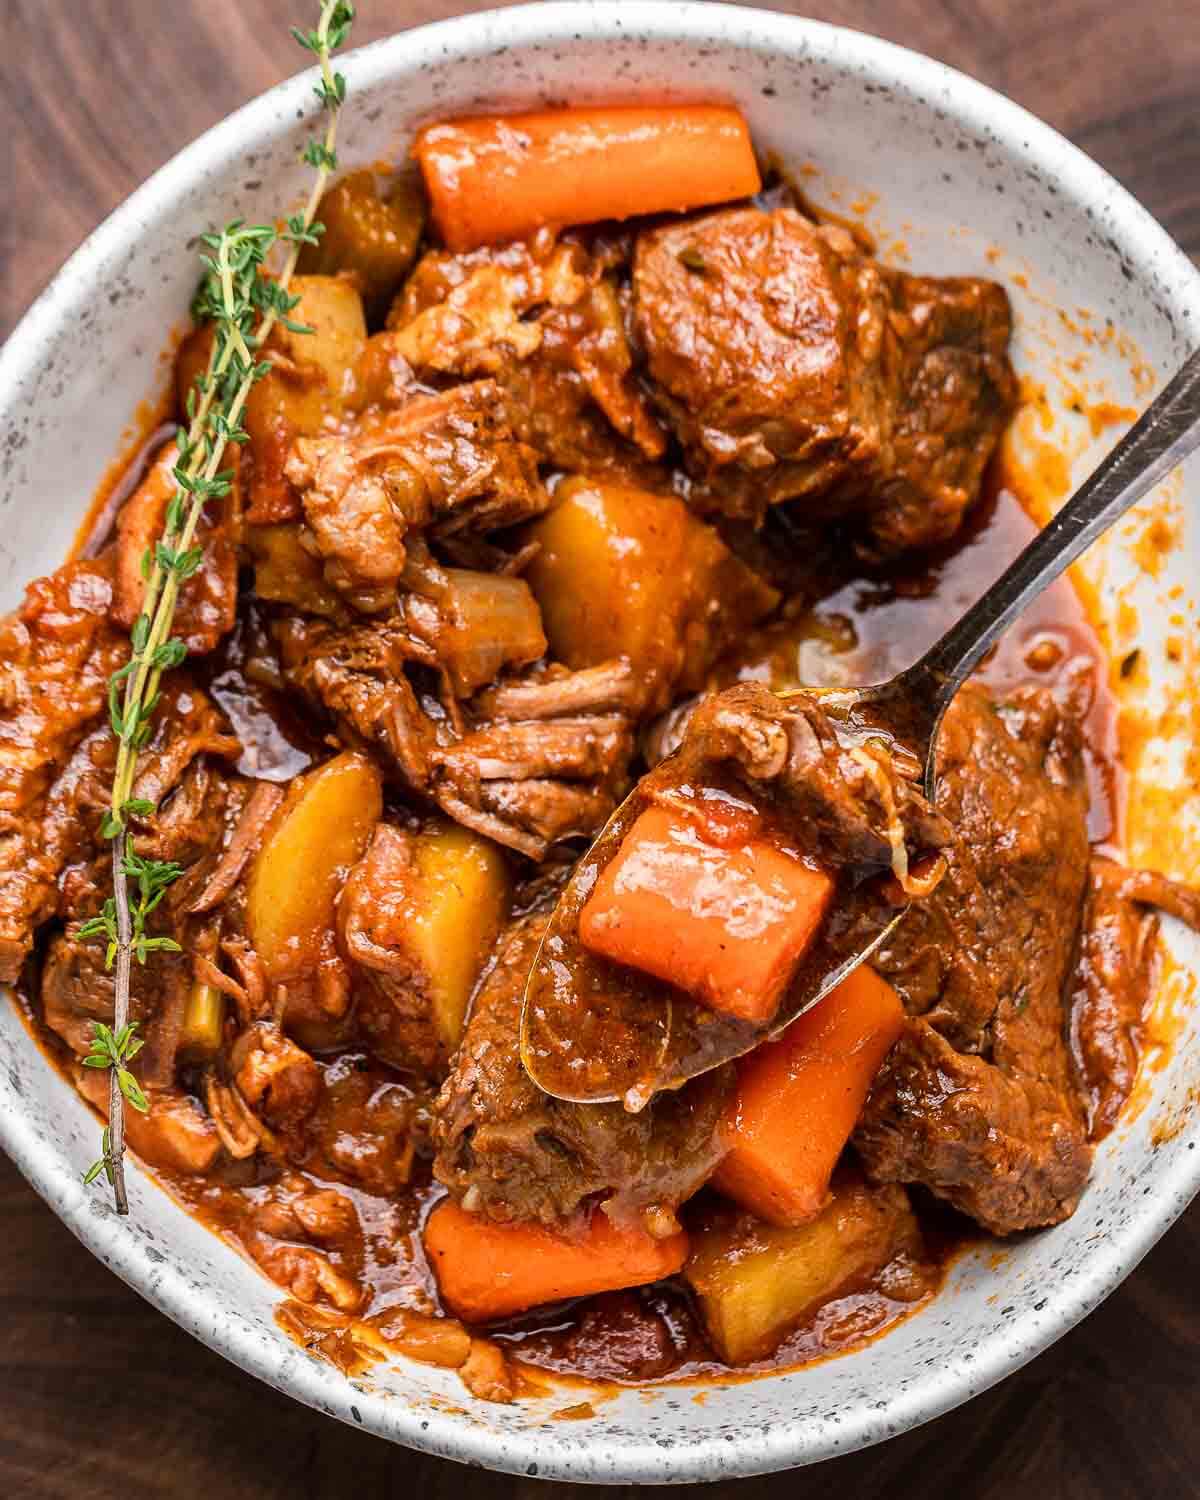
(969, 182)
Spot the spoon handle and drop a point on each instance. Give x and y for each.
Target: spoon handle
(1161, 438)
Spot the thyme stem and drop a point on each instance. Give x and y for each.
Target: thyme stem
(116, 1101)
(233, 293)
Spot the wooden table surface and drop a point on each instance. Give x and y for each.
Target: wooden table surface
(100, 1395)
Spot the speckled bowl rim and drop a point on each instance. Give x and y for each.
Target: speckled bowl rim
(1130, 230)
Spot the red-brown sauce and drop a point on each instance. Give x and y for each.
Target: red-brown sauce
(875, 625)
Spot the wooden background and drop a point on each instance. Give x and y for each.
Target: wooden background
(101, 1396)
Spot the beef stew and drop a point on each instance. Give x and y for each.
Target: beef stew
(512, 520)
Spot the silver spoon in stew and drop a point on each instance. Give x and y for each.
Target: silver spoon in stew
(594, 1029)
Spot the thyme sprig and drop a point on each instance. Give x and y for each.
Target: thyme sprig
(153, 876)
(243, 305)
(114, 1050)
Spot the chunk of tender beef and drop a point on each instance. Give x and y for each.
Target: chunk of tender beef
(276, 1078)
(510, 1152)
(289, 1219)
(367, 1127)
(57, 652)
(763, 347)
(207, 605)
(57, 753)
(950, 393)
(199, 804)
(1114, 977)
(193, 824)
(791, 367)
(464, 314)
(357, 674)
(976, 1100)
(447, 462)
(848, 802)
(544, 318)
(1006, 1150)
(994, 943)
(528, 784)
(611, 687)
(394, 1009)
(190, 726)
(552, 778)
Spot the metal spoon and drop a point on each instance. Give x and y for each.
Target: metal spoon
(593, 1032)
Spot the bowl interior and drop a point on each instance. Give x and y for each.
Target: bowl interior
(952, 179)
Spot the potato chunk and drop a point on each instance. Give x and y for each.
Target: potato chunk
(308, 385)
(756, 1283)
(460, 901)
(622, 572)
(422, 912)
(373, 226)
(286, 572)
(318, 834)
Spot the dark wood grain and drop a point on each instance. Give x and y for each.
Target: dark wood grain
(100, 1396)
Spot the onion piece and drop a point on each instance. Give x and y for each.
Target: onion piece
(484, 622)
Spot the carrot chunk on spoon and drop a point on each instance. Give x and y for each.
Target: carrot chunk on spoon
(728, 925)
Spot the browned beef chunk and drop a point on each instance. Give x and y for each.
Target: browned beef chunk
(793, 368)
(527, 783)
(445, 462)
(611, 687)
(199, 805)
(950, 393)
(57, 650)
(1114, 979)
(544, 319)
(510, 1152)
(748, 324)
(1007, 1150)
(977, 1100)
(848, 803)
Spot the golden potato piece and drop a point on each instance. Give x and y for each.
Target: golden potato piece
(308, 385)
(318, 834)
(756, 1283)
(311, 381)
(461, 898)
(286, 572)
(373, 225)
(423, 911)
(622, 572)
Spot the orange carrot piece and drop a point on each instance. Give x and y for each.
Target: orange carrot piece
(799, 1096)
(502, 177)
(487, 1271)
(728, 925)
